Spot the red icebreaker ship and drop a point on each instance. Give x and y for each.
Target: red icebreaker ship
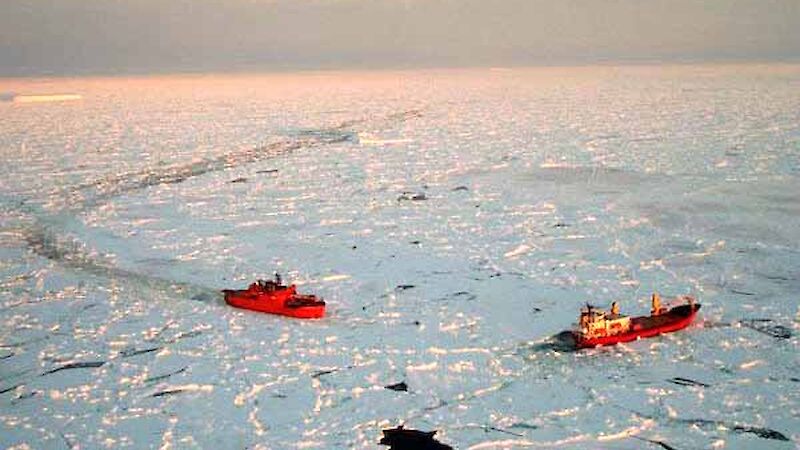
(597, 327)
(275, 298)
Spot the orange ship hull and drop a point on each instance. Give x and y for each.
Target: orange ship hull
(284, 302)
(677, 318)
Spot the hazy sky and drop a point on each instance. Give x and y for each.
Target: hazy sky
(124, 36)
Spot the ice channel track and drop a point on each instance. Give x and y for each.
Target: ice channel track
(39, 230)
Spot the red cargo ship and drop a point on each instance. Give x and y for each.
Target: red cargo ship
(597, 327)
(275, 298)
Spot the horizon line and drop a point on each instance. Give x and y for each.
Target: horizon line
(253, 69)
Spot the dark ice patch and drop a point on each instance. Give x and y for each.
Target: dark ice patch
(323, 372)
(460, 295)
(763, 433)
(777, 278)
(686, 382)
(165, 376)
(9, 389)
(524, 426)
(464, 296)
(662, 444)
(167, 393)
(185, 335)
(71, 444)
(488, 428)
(202, 297)
(400, 387)
(765, 326)
(460, 188)
(407, 439)
(738, 292)
(412, 196)
(127, 353)
(76, 365)
(320, 373)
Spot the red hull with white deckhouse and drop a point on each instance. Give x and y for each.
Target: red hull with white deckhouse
(598, 328)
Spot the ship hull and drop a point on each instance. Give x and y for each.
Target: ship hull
(272, 303)
(675, 319)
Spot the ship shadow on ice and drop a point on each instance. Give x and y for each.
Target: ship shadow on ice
(563, 342)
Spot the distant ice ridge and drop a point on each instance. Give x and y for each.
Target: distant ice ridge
(38, 98)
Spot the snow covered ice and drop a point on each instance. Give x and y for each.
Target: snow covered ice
(453, 220)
